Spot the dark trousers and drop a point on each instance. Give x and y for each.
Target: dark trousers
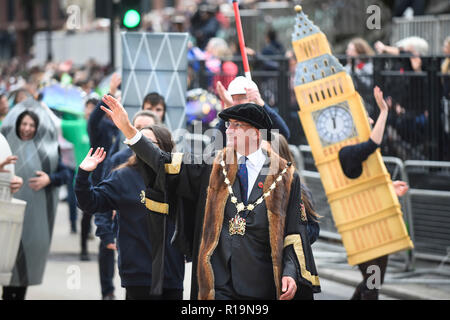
(14, 293)
(106, 260)
(143, 293)
(363, 292)
(85, 229)
(72, 202)
(227, 292)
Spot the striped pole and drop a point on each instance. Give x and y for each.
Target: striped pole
(241, 39)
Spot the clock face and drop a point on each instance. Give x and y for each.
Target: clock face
(334, 124)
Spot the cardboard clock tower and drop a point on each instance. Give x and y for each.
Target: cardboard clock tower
(366, 210)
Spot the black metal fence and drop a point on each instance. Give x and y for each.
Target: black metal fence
(418, 122)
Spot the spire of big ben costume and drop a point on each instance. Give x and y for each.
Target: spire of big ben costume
(241, 250)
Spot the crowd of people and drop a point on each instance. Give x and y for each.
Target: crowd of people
(403, 71)
(109, 180)
(119, 218)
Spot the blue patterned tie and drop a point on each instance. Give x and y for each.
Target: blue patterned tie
(243, 178)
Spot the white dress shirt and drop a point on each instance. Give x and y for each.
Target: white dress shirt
(133, 140)
(254, 164)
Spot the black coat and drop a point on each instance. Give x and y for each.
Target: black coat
(198, 192)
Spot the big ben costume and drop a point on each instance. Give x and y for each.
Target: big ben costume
(238, 251)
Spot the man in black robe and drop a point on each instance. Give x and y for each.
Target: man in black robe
(242, 214)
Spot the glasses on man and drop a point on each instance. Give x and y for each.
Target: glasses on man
(235, 125)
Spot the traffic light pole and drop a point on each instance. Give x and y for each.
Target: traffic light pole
(49, 32)
(112, 44)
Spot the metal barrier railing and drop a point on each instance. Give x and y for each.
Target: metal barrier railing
(396, 169)
(311, 178)
(433, 28)
(429, 208)
(297, 157)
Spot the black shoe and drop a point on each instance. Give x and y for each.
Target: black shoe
(84, 256)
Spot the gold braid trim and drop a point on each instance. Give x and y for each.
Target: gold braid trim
(156, 206)
(296, 241)
(153, 205)
(175, 166)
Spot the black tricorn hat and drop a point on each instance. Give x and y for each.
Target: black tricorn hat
(250, 113)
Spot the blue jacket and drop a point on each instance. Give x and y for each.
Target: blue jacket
(115, 160)
(102, 133)
(62, 175)
(106, 225)
(121, 191)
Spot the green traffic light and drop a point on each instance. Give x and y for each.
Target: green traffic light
(131, 18)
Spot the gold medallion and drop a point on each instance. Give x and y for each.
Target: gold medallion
(237, 225)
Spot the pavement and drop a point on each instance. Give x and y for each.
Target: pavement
(68, 278)
(423, 280)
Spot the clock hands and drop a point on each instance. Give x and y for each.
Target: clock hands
(333, 117)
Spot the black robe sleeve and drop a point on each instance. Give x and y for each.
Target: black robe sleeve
(298, 259)
(177, 184)
(351, 157)
(179, 173)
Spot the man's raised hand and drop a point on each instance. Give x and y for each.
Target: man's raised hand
(119, 116)
(224, 95)
(254, 96)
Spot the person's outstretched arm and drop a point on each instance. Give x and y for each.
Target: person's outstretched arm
(381, 48)
(119, 116)
(93, 199)
(351, 157)
(378, 130)
(144, 149)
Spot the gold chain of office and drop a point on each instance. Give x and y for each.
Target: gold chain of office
(238, 223)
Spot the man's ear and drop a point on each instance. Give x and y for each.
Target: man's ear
(258, 135)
